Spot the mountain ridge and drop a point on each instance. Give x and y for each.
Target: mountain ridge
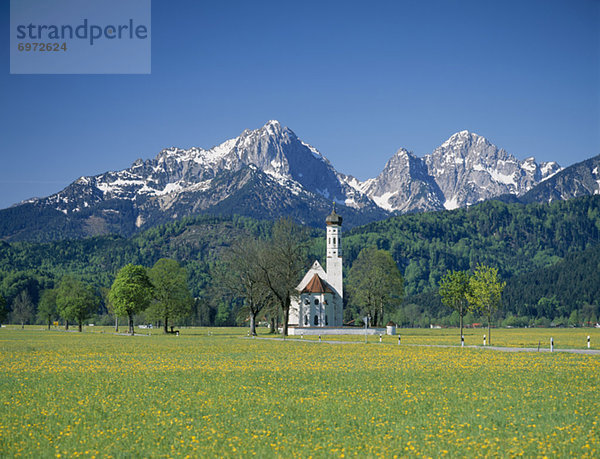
(269, 172)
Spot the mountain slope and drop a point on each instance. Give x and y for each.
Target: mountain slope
(580, 179)
(404, 185)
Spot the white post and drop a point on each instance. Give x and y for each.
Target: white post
(551, 344)
(302, 335)
(380, 337)
(398, 339)
(462, 341)
(484, 340)
(588, 341)
(319, 338)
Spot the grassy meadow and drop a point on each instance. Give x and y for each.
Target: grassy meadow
(214, 393)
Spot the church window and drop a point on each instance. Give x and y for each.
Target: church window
(306, 301)
(326, 321)
(316, 319)
(316, 301)
(306, 320)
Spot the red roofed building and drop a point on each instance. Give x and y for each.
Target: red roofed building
(320, 293)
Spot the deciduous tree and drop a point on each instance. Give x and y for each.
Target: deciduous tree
(282, 264)
(172, 297)
(131, 292)
(76, 300)
(47, 310)
(23, 308)
(241, 276)
(485, 292)
(375, 282)
(454, 287)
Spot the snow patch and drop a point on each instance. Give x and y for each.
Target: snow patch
(169, 188)
(350, 202)
(316, 153)
(383, 200)
(503, 178)
(451, 204)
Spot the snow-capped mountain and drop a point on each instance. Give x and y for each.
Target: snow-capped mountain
(464, 170)
(404, 185)
(272, 149)
(264, 173)
(268, 173)
(469, 169)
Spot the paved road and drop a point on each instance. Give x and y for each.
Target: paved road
(487, 348)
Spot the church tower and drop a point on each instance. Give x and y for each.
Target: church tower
(334, 252)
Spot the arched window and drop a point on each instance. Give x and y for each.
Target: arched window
(316, 319)
(306, 319)
(316, 301)
(326, 321)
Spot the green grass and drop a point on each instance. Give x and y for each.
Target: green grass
(99, 394)
(564, 338)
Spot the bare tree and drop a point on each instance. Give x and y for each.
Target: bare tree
(23, 308)
(241, 277)
(282, 264)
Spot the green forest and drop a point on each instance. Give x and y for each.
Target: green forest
(549, 256)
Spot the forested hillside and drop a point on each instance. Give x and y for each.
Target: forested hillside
(515, 238)
(518, 239)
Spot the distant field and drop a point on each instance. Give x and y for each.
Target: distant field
(98, 394)
(573, 338)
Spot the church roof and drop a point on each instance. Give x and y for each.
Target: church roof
(333, 218)
(316, 285)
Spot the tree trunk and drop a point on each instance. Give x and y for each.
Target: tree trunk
(22, 325)
(253, 323)
(460, 313)
(286, 316)
(489, 329)
(130, 331)
(272, 325)
(49, 322)
(166, 330)
(116, 324)
(66, 325)
(80, 326)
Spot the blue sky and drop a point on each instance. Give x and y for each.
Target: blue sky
(357, 80)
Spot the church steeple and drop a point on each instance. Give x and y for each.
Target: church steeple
(333, 218)
(334, 250)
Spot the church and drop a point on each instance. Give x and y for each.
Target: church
(320, 293)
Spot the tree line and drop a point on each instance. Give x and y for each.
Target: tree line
(536, 249)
